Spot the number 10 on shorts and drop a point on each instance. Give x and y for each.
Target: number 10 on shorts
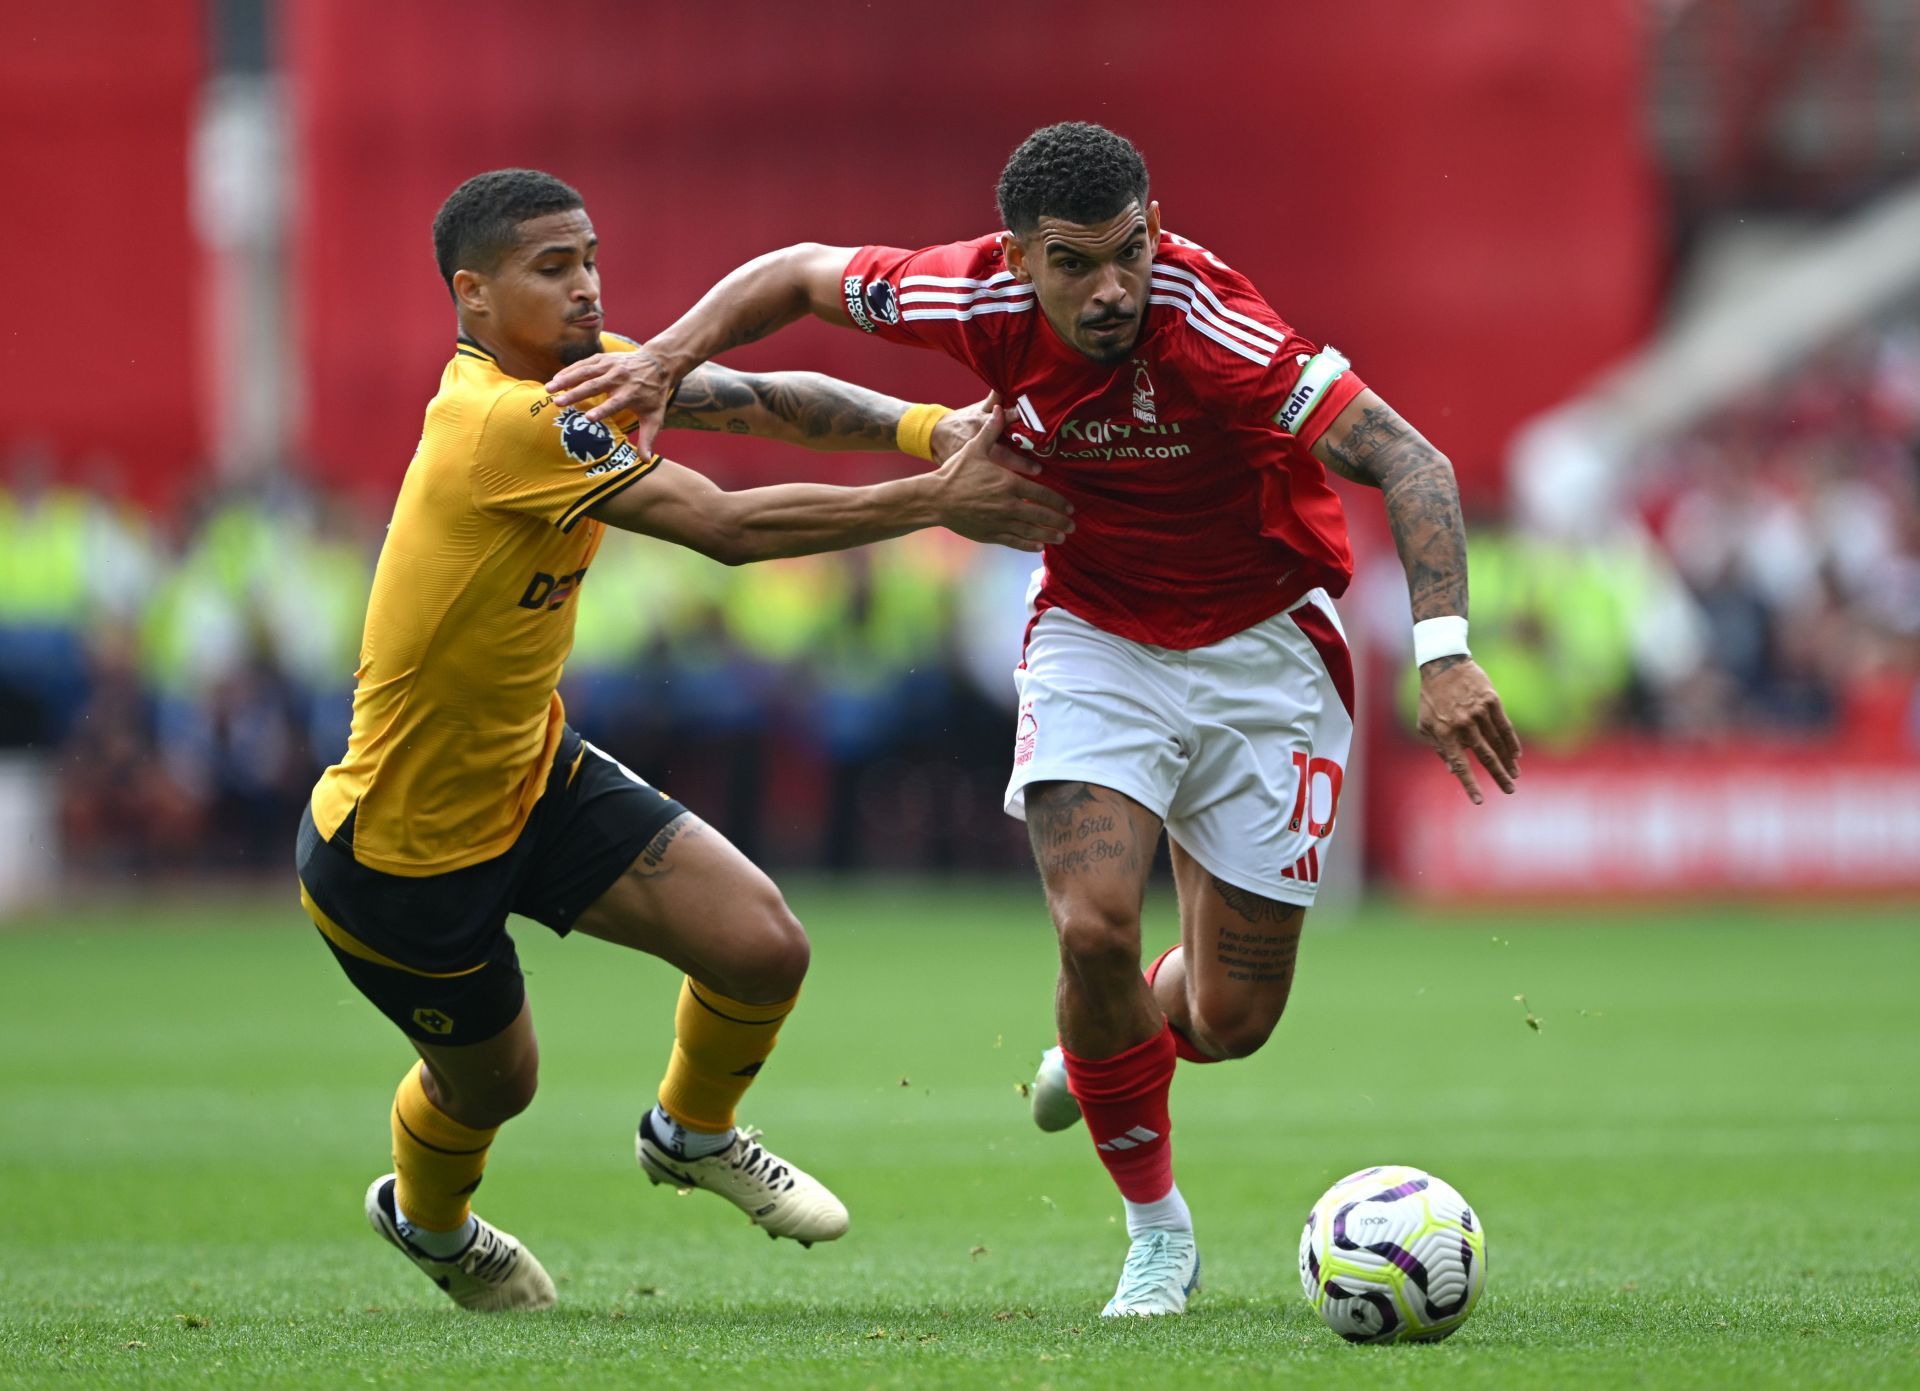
(1306, 797)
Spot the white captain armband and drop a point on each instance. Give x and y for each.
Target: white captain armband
(1434, 638)
(1317, 373)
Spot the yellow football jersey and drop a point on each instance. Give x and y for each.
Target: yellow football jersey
(455, 712)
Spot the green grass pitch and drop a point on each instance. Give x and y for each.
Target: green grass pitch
(1702, 1169)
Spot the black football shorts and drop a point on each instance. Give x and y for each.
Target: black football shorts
(433, 953)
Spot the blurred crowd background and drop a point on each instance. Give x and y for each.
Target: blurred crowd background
(1655, 286)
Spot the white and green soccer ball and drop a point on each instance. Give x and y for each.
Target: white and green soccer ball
(1393, 1255)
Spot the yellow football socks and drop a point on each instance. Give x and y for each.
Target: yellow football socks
(436, 1160)
(718, 1046)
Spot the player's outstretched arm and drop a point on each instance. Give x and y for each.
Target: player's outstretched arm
(1460, 711)
(766, 294)
(804, 408)
(970, 494)
(819, 412)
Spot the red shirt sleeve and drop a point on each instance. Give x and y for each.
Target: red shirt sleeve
(1256, 357)
(953, 298)
(1281, 381)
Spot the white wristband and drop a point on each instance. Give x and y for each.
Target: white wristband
(1439, 637)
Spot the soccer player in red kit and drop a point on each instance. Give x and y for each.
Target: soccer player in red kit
(1183, 666)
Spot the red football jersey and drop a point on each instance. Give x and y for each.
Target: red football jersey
(1195, 514)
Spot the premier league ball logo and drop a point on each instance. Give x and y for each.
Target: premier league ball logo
(586, 441)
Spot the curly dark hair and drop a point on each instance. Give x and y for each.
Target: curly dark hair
(479, 222)
(1074, 170)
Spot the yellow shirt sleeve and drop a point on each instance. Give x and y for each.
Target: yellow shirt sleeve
(551, 463)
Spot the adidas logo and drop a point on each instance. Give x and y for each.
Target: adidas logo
(1133, 1139)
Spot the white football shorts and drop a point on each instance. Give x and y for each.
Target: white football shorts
(1240, 747)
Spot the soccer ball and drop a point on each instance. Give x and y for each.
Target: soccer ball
(1392, 1255)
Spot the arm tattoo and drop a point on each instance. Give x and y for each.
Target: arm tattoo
(824, 408)
(1073, 831)
(800, 407)
(1423, 505)
(710, 398)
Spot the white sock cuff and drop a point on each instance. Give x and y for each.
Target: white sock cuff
(440, 1245)
(1168, 1214)
(688, 1144)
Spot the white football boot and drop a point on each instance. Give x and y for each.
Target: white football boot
(1053, 1105)
(494, 1272)
(782, 1198)
(1162, 1269)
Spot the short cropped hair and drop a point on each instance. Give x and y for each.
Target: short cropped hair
(479, 222)
(1075, 170)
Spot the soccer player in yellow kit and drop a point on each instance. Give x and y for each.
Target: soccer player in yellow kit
(464, 795)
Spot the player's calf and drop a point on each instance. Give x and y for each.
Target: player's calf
(1105, 1005)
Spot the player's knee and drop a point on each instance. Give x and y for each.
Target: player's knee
(485, 1102)
(1099, 942)
(776, 962)
(1232, 1029)
(514, 1091)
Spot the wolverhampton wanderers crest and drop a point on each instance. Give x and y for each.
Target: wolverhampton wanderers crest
(586, 441)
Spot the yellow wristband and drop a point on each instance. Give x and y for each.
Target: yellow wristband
(914, 433)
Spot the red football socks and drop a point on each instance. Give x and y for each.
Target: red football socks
(1181, 1043)
(1124, 1100)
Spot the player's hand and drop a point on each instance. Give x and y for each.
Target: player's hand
(637, 381)
(950, 436)
(1460, 714)
(985, 500)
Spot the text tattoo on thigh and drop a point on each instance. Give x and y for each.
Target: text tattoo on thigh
(1258, 957)
(653, 858)
(1072, 831)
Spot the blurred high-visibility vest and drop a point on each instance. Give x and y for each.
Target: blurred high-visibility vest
(899, 615)
(778, 610)
(43, 560)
